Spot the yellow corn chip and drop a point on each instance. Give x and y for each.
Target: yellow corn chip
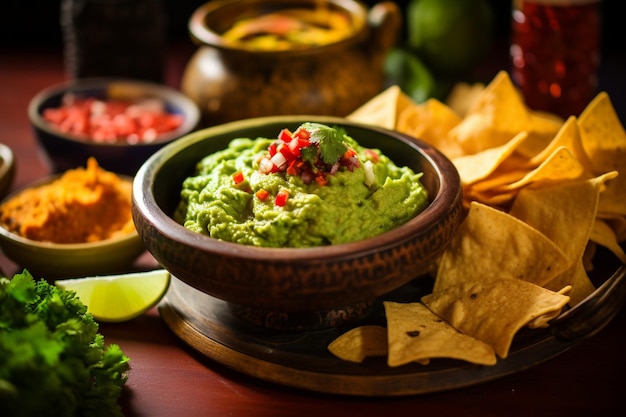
(604, 235)
(561, 165)
(431, 122)
(383, 109)
(604, 140)
(569, 137)
(359, 343)
(417, 334)
(496, 116)
(478, 166)
(493, 244)
(494, 310)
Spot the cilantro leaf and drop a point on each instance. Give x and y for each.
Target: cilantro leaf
(329, 140)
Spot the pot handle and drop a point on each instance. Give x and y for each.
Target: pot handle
(385, 21)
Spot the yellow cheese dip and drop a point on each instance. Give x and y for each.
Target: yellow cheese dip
(343, 210)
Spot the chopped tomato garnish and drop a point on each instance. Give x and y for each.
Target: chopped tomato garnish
(320, 180)
(262, 194)
(301, 133)
(285, 135)
(286, 151)
(281, 198)
(272, 149)
(371, 155)
(110, 120)
(312, 154)
(238, 177)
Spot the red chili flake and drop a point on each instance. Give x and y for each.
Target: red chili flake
(281, 198)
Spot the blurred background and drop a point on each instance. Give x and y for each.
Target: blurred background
(33, 24)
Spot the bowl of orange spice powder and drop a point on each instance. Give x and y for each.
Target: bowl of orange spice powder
(70, 225)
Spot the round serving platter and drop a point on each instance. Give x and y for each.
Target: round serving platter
(301, 359)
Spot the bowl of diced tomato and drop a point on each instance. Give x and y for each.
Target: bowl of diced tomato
(119, 122)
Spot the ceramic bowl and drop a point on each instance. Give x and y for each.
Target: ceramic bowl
(325, 79)
(72, 260)
(65, 151)
(257, 281)
(7, 169)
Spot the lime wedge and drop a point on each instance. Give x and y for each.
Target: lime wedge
(116, 298)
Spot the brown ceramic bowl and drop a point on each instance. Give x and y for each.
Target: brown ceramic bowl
(287, 280)
(328, 79)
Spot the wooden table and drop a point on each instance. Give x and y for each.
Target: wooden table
(168, 378)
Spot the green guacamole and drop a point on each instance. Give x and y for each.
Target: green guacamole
(342, 210)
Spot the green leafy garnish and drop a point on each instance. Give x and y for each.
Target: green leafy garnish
(53, 361)
(330, 140)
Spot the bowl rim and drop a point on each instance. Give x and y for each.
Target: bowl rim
(446, 200)
(189, 108)
(7, 164)
(8, 236)
(199, 31)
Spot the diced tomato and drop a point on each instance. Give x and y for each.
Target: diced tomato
(320, 180)
(286, 151)
(371, 155)
(281, 198)
(349, 153)
(262, 194)
(111, 120)
(285, 135)
(292, 169)
(301, 133)
(272, 148)
(238, 177)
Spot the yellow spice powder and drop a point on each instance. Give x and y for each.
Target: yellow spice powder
(83, 205)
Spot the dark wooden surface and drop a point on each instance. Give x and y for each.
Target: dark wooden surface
(168, 378)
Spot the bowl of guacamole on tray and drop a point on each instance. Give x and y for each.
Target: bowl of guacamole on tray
(296, 214)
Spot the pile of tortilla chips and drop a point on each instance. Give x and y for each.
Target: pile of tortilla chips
(540, 194)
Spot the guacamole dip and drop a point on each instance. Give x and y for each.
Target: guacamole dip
(313, 187)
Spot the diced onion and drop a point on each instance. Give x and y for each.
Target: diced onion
(369, 173)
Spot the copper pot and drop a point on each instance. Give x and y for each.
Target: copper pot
(231, 82)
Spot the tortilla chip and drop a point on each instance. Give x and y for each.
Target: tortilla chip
(544, 320)
(359, 343)
(569, 137)
(492, 244)
(497, 116)
(494, 310)
(383, 109)
(561, 165)
(431, 122)
(462, 97)
(564, 213)
(542, 129)
(605, 236)
(417, 334)
(604, 140)
(475, 167)
(577, 278)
